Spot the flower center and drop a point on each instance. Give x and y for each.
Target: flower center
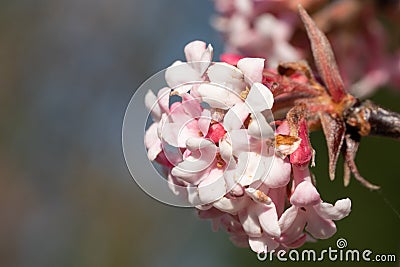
(220, 161)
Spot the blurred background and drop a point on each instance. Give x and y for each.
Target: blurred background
(67, 72)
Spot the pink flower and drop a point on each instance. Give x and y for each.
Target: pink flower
(203, 169)
(185, 119)
(309, 212)
(198, 57)
(217, 147)
(271, 29)
(251, 33)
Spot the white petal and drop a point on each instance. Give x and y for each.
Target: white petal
(198, 161)
(259, 127)
(262, 244)
(252, 69)
(179, 115)
(292, 224)
(235, 117)
(151, 135)
(225, 149)
(226, 75)
(177, 187)
(193, 195)
(213, 187)
(194, 50)
(251, 167)
(198, 55)
(305, 194)
(206, 146)
(150, 100)
(240, 141)
(161, 124)
(258, 244)
(191, 105)
(204, 121)
(341, 209)
(319, 227)
(163, 99)
(217, 96)
(176, 135)
(180, 73)
(231, 185)
(250, 223)
(231, 206)
(197, 51)
(259, 98)
(208, 54)
(152, 142)
(192, 177)
(279, 173)
(287, 218)
(269, 219)
(169, 134)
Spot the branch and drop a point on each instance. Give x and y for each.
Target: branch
(371, 119)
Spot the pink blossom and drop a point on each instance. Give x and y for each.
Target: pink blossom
(309, 212)
(221, 157)
(271, 29)
(198, 57)
(183, 121)
(251, 33)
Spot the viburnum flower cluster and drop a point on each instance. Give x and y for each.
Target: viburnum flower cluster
(214, 134)
(366, 47)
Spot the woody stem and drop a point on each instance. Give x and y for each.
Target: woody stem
(375, 120)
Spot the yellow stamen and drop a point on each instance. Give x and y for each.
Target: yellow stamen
(243, 94)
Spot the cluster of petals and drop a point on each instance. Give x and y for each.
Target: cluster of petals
(214, 135)
(270, 29)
